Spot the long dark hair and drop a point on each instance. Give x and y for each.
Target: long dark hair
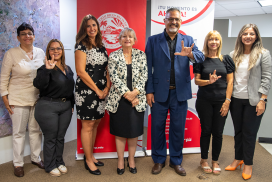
(62, 56)
(83, 37)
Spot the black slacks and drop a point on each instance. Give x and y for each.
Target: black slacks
(212, 123)
(246, 125)
(54, 119)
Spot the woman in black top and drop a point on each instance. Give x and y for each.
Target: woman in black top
(54, 109)
(213, 98)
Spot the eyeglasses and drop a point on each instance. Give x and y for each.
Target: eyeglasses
(172, 19)
(30, 34)
(52, 49)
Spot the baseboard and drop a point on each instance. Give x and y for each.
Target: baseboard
(265, 140)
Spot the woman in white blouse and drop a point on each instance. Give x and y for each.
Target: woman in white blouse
(252, 82)
(18, 70)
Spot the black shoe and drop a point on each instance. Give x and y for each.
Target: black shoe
(95, 172)
(99, 163)
(120, 171)
(132, 170)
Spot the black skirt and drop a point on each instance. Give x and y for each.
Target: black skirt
(127, 122)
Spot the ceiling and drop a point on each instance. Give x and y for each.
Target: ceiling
(225, 8)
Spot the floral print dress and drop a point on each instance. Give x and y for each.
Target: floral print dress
(88, 104)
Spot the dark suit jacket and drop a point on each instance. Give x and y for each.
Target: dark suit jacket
(159, 67)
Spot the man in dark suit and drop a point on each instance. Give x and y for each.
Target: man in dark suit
(169, 87)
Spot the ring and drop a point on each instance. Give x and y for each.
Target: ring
(50, 64)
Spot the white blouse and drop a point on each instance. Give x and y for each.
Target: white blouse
(241, 76)
(17, 75)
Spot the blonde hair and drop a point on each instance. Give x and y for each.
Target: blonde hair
(256, 48)
(127, 30)
(206, 48)
(83, 37)
(62, 56)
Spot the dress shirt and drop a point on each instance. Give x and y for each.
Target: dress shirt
(172, 48)
(17, 74)
(53, 83)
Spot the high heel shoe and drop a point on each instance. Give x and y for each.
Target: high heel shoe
(95, 172)
(121, 171)
(229, 168)
(132, 170)
(246, 176)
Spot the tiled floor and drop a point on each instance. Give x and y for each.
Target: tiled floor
(267, 146)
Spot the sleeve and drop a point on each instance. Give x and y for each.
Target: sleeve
(80, 47)
(198, 55)
(230, 66)
(42, 79)
(5, 73)
(114, 77)
(149, 57)
(197, 68)
(266, 69)
(143, 73)
(72, 98)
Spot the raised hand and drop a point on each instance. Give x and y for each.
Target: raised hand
(50, 64)
(213, 77)
(185, 51)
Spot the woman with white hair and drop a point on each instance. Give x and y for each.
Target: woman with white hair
(126, 101)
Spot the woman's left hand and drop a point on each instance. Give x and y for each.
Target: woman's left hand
(225, 108)
(260, 108)
(105, 92)
(130, 96)
(135, 102)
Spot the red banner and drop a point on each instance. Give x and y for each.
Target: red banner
(112, 16)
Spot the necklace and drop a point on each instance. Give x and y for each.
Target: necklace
(127, 55)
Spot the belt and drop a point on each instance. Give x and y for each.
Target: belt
(55, 100)
(172, 87)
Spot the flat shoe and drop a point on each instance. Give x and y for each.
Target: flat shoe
(205, 169)
(55, 172)
(62, 169)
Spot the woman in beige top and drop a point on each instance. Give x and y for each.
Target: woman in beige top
(18, 70)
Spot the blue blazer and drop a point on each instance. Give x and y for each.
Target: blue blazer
(159, 67)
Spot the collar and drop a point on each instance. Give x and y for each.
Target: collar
(168, 37)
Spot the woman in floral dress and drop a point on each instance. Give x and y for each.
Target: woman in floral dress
(92, 86)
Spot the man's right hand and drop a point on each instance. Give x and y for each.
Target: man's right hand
(150, 99)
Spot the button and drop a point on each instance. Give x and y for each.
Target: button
(168, 80)
(168, 70)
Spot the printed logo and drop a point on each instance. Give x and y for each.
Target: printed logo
(111, 24)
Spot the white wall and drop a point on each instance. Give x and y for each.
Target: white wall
(68, 30)
(264, 23)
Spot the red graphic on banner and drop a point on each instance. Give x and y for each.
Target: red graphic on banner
(191, 135)
(111, 24)
(193, 18)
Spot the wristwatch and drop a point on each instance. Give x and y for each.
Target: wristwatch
(265, 100)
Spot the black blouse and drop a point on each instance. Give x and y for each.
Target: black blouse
(55, 84)
(217, 90)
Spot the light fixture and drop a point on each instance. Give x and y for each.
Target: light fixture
(265, 3)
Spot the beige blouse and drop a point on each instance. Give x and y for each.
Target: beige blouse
(17, 75)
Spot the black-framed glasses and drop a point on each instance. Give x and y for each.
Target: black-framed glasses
(53, 49)
(30, 34)
(172, 19)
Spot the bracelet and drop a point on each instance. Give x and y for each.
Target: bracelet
(138, 91)
(228, 99)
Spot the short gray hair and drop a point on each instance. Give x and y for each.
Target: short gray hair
(129, 30)
(172, 9)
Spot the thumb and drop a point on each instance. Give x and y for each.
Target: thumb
(53, 58)
(192, 45)
(257, 108)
